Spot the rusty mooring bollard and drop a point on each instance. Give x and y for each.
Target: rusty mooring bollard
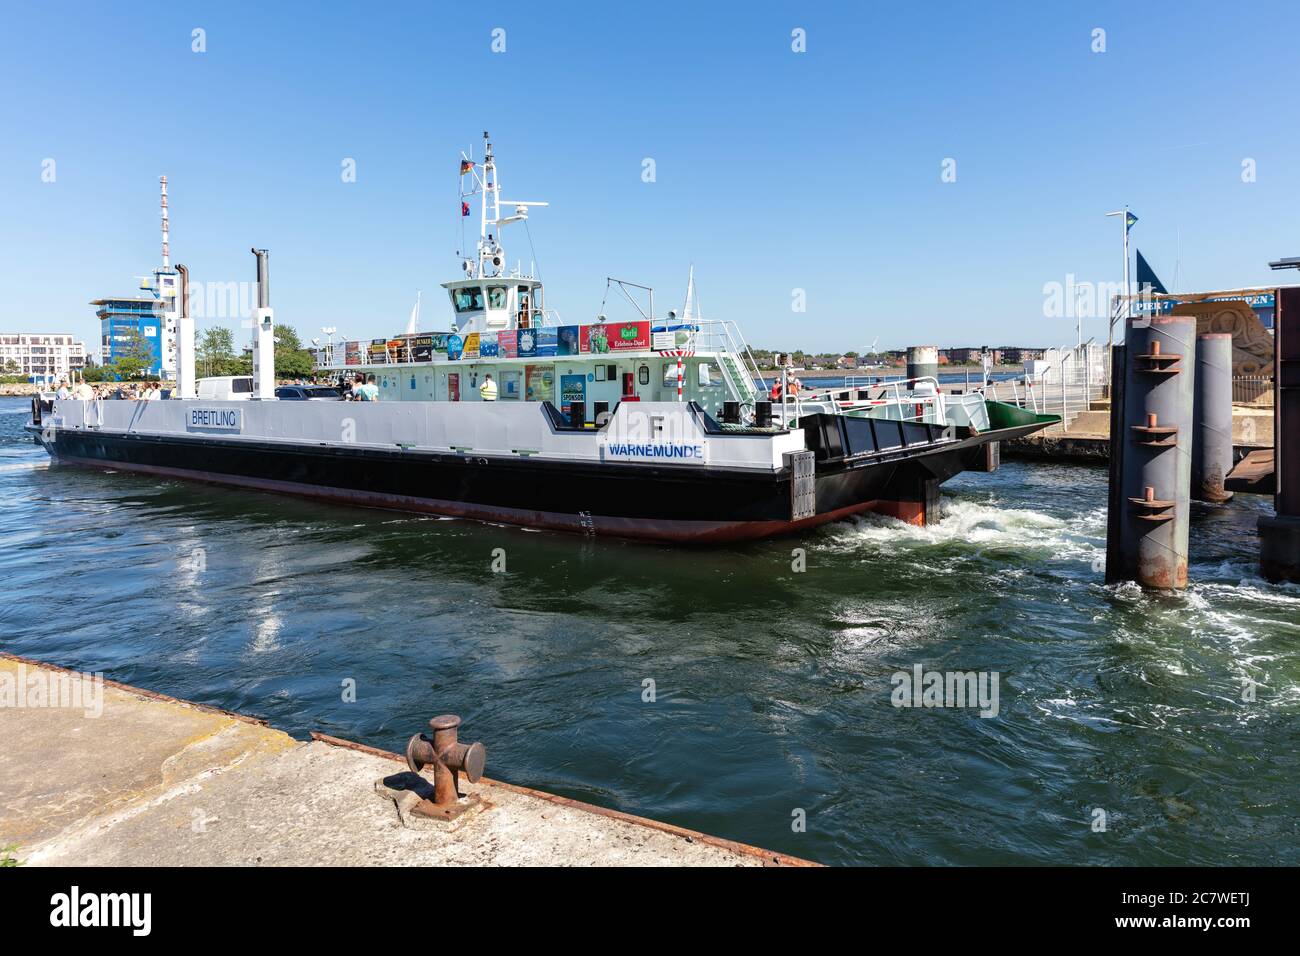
(448, 756)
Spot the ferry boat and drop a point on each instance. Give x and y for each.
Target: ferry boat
(660, 427)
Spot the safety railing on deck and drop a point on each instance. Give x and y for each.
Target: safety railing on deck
(744, 380)
(912, 404)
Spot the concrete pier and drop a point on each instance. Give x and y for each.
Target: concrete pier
(152, 780)
(1087, 439)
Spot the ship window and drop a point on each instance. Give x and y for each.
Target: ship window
(496, 297)
(468, 299)
(643, 375)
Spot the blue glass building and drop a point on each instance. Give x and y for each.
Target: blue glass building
(120, 316)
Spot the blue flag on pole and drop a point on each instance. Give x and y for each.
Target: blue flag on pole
(1129, 221)
(1147, 278)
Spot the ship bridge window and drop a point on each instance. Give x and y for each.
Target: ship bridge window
(468, 299)
(496, 295)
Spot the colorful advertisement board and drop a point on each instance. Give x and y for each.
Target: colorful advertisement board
(352, 353)
(629, 336)
(573, 388)
(614, 337)
(508, 344)
(568, 340)
(539, 383)
(470, 349)
(537, 343)
(421, 348)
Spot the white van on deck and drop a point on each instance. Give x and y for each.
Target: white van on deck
(226, 388)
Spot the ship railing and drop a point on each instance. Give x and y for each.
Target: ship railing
(1075, 376)
(906, 399)
(724, 338)
(404, 354)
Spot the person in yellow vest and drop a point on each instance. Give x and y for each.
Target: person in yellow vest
(488, 390)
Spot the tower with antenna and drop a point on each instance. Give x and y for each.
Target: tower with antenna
(165, 289)
(166, 251)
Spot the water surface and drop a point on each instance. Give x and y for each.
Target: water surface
(772, 687)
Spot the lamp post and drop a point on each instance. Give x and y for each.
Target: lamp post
(1124, 225)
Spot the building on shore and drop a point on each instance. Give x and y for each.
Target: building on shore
(961, 356)
(134, 326)
(42, 357)
(143, 325)
(1019, 355)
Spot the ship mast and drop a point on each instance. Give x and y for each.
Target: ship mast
(491, 260)
(492, 194)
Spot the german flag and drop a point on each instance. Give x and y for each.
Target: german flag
(465, 166)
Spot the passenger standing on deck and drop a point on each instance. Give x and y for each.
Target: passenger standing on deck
(63, 391)
(84, 391)
(369, 392)
(488, 390)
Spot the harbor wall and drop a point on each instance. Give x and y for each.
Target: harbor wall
(147, 779)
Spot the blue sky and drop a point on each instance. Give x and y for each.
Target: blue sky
(775, 170)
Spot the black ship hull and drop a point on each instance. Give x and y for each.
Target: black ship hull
(667, 503)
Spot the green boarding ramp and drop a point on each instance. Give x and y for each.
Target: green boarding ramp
(1002, 415)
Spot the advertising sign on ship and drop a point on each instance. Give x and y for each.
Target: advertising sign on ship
(567, 339)
(508, 344)
(421, 348)
(614, 337)
(539, 383)
(573, 388)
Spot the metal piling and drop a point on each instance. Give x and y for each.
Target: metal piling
(1150, 485)
(1212, 417)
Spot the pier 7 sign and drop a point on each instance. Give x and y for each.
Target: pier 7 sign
(214, 419)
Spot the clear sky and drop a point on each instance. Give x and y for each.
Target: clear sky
(775, 170)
